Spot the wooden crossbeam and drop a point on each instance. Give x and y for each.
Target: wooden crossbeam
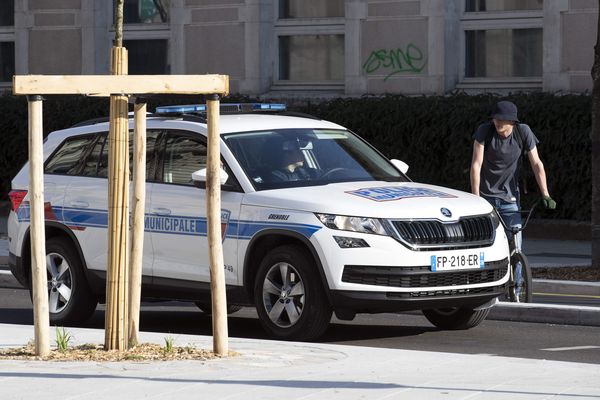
(105, 85)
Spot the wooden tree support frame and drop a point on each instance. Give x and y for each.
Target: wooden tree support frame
(119, 87)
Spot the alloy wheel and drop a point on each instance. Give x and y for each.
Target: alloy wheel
(283, 294)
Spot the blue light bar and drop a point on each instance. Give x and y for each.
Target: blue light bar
(226, 108)
(185, 109)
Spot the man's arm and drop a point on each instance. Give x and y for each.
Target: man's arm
(538, 170)
(476, 163)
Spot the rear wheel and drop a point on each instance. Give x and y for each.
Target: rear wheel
(456, 318)
(520, 286)
(70, 300)
(289, 295)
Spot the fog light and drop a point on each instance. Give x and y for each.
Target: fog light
(350, 242)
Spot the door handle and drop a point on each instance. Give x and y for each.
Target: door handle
(81, 204)
(161, 211)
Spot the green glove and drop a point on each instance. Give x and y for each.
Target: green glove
(549, 204)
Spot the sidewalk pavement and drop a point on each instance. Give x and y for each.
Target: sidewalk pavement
(266, 369)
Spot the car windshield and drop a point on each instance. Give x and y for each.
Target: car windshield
(307, 157)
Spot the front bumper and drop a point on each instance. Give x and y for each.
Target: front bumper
(421, 288)
(379, 302)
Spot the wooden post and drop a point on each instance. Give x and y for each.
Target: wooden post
(215, 245)
(138, 205)
(37, 228)
(116, 320)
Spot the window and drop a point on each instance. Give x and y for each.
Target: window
(145, 11)
(147, 57)
(498, 53)
(146, 33)
(311, 58)
(68, 158)
(502, 45)
(7, 61)
(502, 5)
(183, 155)
(311, 8)
(7, 12)
(319, 156)
(310, 38)
(102, 161)
(91, 163)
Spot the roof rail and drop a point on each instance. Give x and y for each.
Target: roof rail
(101, 120)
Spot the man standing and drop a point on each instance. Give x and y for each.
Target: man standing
(497, 150)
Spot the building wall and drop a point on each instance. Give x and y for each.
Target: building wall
(390, 46)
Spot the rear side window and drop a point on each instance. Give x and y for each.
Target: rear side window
(67, 160)
(97, 162)
(90, 166)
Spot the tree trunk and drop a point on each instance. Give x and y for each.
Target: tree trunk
(596, 150)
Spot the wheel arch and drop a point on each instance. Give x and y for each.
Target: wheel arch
(262, 242)
(52, 230)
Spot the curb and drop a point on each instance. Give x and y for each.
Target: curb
(546, 313)
(566, 287)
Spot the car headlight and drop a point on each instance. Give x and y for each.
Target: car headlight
(354, 224)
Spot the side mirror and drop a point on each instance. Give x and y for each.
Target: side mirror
(199, 177)
(400, 165)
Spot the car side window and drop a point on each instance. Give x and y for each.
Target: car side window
(91, 163)
(68, 158)
(183, 155)
(102, 162)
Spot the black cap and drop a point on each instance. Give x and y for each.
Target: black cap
(505, 111)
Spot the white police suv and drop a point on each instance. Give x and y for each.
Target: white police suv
(314, 221)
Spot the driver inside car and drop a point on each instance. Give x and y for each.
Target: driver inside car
(291, 164)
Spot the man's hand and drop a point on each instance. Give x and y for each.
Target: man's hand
(549, 204)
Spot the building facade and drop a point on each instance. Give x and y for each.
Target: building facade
(315, 48)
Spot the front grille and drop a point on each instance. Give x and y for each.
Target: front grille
(435, 233)
(490, 290)
(419, 277)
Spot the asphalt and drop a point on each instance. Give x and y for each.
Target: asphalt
(264, 369)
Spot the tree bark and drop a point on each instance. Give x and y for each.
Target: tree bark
(596, 150)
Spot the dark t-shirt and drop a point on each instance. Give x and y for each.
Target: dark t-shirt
(500, 168)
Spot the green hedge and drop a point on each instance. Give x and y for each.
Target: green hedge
(432, 134)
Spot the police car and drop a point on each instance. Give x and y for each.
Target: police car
(315, 221)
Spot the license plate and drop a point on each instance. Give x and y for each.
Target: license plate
(457, 261)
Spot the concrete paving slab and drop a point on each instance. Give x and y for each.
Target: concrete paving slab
(275, 370)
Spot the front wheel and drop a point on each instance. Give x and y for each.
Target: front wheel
(520, 285)
(290, 299)
(456, 318)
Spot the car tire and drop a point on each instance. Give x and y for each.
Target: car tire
(206, 308)
(456, 318)
(289, 296)
(70, 299)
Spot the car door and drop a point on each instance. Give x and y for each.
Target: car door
(86, 203)
(177, 217)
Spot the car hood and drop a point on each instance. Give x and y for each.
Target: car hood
(374, 199)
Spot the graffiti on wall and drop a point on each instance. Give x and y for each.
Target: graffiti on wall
(395, 61)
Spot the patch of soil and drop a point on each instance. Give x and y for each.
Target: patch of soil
(92, 352)
(584, 273)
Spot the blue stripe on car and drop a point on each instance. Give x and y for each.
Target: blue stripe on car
(174, 225)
